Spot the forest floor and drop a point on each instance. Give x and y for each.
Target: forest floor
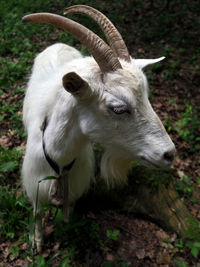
(109, 237)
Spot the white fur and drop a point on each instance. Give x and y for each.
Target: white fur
(74, 123)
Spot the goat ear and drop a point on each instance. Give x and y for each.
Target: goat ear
(142, 63)
(73, 83)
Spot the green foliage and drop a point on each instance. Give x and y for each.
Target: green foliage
(168, 124)
(188, 127)
(173, 100)
(155, 178)
(14, 250)
(47, 178)
(9, 166)
(80, 235)
(165, 14)
(194, 248)
(180, 245)
(112, 234)
(184, 186)
(180, 263)
(10, 158)
(17, 50)
(65, 262)
(197, 180)
(12, 113)
(42, 262)
(107, 264)
(194, 229)
(172, 70)
(122, 263)
(191, 242)
(13, 211)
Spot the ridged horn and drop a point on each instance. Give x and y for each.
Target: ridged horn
(114, 38)
(101, 52)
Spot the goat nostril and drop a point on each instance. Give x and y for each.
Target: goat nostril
(169, 156)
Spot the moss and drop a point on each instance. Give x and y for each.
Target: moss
(151, 177)
(193, 226)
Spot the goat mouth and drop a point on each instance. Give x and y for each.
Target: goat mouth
(150, 163)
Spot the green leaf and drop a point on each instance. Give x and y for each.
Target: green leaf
(108, 264)
(180, 263)
(180, 244)
(65, 262)
(194, 248)
(113, 234)
(11, 235)
(1, 117)
(195, 252)
(54, 256)
(41, 261)
(198, 180)
(48, 178)
(9, 166)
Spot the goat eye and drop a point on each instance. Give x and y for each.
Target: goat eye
(120, 110)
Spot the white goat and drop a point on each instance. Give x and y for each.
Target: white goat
(101, 99)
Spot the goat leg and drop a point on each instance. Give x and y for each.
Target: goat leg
(65, 183)
(37, 236)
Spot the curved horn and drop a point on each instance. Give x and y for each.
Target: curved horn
(114, 38)
(101, 52)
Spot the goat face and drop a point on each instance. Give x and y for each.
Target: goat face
(113, 106)
(118, 115)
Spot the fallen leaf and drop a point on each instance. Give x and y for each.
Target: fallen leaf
(56, 247)
(162, 235)
(6, 252)
(49, 229)
(140, 253)
(110, 257)
(163, 258)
